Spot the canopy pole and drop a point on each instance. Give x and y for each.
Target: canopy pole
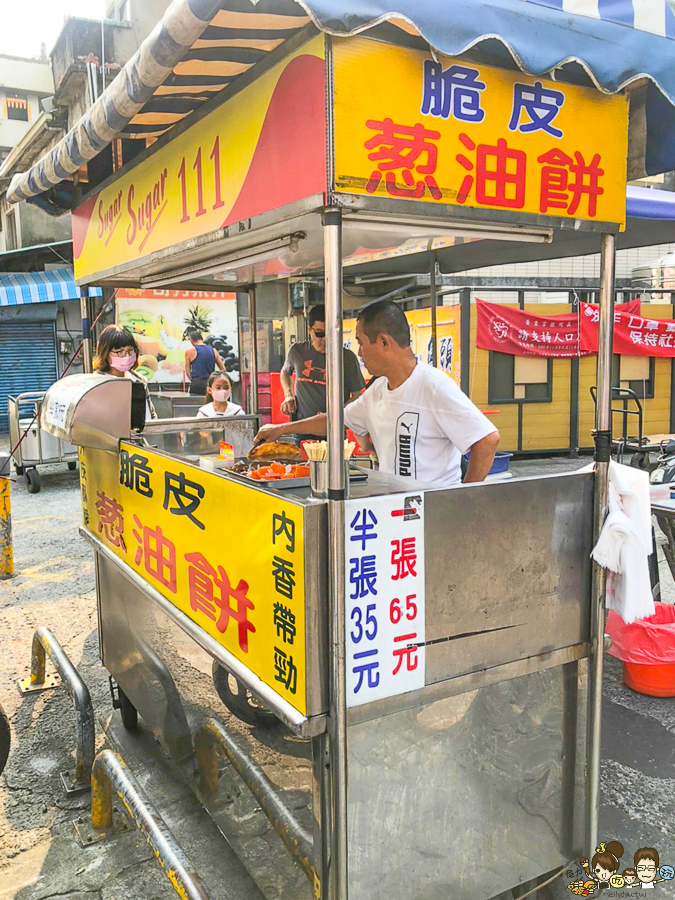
(332, 233)
(434, 320)
(603, 438)
(253, 368)
(86, 330)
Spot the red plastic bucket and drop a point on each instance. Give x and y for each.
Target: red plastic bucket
(653, 680)
(646, 648)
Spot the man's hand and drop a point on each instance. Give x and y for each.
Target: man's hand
(289, 405)
(268, 433)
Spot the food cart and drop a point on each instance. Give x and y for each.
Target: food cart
(32, 448)
(436, 654)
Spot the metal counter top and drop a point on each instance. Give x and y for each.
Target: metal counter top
(378, 485)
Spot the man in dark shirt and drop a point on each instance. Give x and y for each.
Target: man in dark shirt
(307, 361)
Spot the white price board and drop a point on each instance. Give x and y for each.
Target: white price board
(384, 596)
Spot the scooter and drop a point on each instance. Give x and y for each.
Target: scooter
(664, 472)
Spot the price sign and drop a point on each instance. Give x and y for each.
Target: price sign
(384, 573)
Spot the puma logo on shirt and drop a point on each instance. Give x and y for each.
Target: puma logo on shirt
(406, 440)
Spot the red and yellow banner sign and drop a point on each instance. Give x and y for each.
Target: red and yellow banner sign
(254, 153)
(243, 584)
(522, 332)
(633, 334)
(408, 126)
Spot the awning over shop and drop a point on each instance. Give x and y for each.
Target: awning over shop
(202, 46)
(645, 203)
(18, 288)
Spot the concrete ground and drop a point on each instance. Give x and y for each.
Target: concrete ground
(39, 856)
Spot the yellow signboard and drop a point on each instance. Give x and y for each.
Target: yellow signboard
(263, 148)
(409, 126)
(448, 333)
(229, 557)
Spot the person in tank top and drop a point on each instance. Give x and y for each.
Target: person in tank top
(200, 362)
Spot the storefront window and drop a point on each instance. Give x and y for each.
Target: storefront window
(635, 373)
(17, 106)
(524, 379)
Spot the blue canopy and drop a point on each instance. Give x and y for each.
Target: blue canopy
(52, 285)
(615, 42)
(645, 203)
(202, 46)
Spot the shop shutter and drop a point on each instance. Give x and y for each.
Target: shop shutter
(27, 360)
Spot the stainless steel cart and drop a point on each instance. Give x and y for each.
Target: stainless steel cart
(31, 446)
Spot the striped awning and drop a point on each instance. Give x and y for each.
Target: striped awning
(234, 41)
(17, 288)
(203, 46)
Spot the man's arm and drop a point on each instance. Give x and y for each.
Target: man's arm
(219, 360)
(481, 455)
(313, 425)
(190, 354)
(289, 404)
(365, 443)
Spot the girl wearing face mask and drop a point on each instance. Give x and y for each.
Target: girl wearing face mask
(117, 354)
(219, 389)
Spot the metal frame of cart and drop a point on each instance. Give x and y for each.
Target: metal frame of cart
(381, 768)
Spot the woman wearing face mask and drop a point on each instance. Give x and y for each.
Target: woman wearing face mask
(219, 388)
(117, 354)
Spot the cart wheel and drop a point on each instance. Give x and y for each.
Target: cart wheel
(72, 465)
(33, 482)
(5, 739)
(19, 470)
(128, 712)
(241, 701)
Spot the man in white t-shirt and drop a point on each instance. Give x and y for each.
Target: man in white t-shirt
(418, 420)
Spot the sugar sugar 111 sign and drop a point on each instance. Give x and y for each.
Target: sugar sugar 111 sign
(242, 585)
(384, 598)
(443, 131)
(262, 148)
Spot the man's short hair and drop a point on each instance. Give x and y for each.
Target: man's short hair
(316, 314)
(385, 317)
(194, 335)
(646, 853)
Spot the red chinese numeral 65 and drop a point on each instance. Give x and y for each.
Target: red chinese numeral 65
(396, 613)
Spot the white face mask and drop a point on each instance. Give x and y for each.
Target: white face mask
(222, 395)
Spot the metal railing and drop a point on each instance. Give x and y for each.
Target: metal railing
(45, 644)
(110, 771)
(211, 735)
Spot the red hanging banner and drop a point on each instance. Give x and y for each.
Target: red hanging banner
(634, 335)
(523, 333)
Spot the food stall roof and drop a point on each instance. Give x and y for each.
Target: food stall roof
(203, 46)
(650, 220)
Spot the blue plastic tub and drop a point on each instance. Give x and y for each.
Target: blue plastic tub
(500, 464)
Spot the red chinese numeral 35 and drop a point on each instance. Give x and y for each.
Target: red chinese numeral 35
(214, 156)
(396, 613)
